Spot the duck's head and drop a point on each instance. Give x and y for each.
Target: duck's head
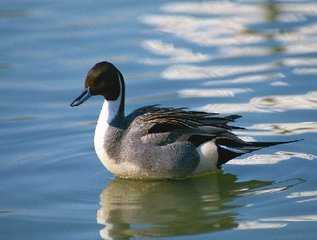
(102, 79)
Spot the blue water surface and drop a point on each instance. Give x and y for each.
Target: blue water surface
(254, 58)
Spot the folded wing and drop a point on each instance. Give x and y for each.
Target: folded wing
(162, 126)
(165, 125)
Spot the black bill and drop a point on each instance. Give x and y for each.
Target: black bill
(82, 98)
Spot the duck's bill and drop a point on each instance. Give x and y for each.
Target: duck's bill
(83, 97)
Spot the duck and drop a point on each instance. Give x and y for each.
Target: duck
(155, 142)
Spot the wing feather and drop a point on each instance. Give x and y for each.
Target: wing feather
(162, 119)
(163, 125)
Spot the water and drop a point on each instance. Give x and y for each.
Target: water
(256, 58)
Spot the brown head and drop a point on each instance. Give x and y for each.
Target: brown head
(102, 79)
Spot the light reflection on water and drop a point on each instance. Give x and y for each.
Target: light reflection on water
(130, 209)
(283, 128)
(278, 103)
(170, 208)
(257, 58)
(273, 158)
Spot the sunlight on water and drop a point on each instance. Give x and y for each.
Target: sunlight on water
(226, 92)
(303, 197)
(248, 225)
(271, 158)
(183, 72)
(278, 103)
(300, 218)
(175, 55)
(247, 79)
(283, 128)
(278, 222)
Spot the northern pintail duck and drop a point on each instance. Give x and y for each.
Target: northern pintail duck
(158, 142)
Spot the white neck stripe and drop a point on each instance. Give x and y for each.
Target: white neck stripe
(110, 109)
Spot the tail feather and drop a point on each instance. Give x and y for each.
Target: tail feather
(229, 148)
(268, 144)
(232, 117)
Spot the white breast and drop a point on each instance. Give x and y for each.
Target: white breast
(107, 114)
(208, 156)
(100, 134)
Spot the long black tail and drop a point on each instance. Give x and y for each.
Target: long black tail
(232, 148)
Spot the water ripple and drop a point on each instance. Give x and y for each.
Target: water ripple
(282, 128)
(174, 54)
(226, 92)
(274, 103)
(260, 159)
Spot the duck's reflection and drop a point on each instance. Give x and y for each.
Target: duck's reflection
(170, 208)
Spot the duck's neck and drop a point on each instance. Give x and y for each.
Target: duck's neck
(110, 126)
(112, 112)
(109, 129)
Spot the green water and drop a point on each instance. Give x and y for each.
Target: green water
(255, 58)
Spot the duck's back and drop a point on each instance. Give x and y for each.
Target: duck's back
(166, 141)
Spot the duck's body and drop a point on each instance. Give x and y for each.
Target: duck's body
(155, 142)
